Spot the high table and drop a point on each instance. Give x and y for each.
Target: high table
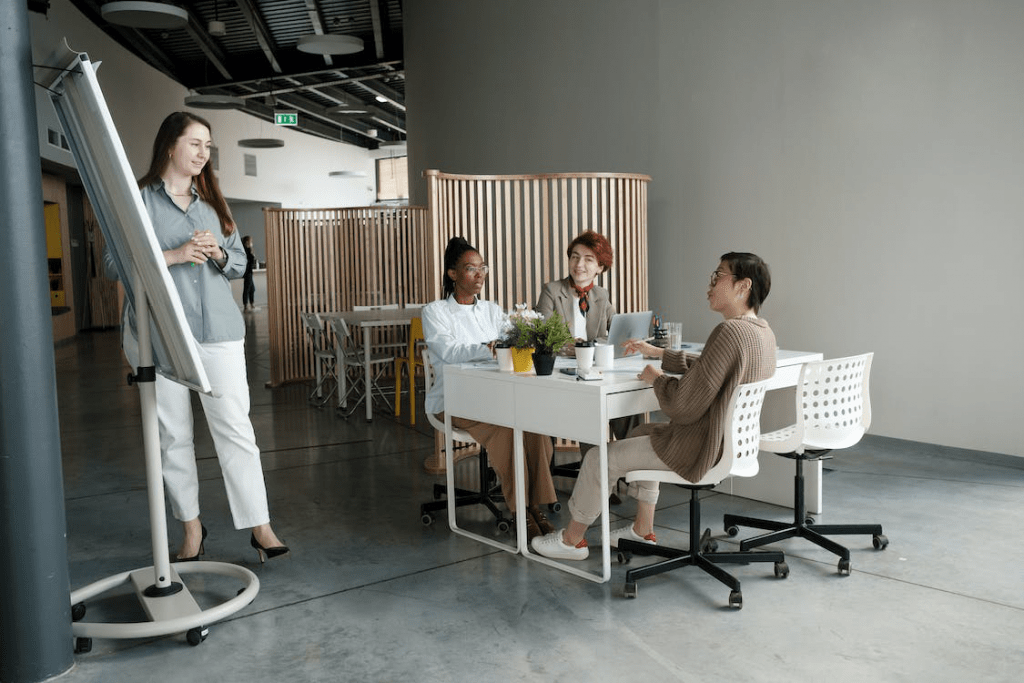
(367, 320)
(562, 406)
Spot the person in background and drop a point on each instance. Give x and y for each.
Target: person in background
(248, 286)
(200, 244)
(460, 328)
(740, 349)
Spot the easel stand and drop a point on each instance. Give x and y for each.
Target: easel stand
(166, 600)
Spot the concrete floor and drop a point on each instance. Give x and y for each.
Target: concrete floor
(370, 594)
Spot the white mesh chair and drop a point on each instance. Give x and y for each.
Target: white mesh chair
(739, 459)
(351, 374)
(833, 410)
(323, 357)
(489, 491)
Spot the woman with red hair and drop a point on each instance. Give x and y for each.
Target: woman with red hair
(577, 298)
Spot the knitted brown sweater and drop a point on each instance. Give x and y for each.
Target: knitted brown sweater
(739, 350)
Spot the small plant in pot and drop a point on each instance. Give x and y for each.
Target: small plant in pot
(547, 336)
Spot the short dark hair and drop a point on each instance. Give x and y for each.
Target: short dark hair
(596, 243)
(457, 246)
(747, 265)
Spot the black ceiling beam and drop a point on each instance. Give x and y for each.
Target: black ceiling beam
(259, 29)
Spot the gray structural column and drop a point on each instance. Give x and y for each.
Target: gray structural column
(35, 610)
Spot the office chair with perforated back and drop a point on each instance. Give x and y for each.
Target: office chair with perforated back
(739, 459)
(833, 410)
(323, 357)
(410, 362)
(489, 491)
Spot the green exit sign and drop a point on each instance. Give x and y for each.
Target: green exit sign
(287, 118)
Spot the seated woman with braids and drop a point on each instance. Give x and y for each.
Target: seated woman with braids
(460, 328)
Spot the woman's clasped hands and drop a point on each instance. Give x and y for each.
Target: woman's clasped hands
(202, 246)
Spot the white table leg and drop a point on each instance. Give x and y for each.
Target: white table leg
(453, 524)
(367, 379)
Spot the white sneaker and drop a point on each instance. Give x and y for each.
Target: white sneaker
(627, 532)
(551, 545)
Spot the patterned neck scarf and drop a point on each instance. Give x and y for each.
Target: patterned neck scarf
(582, 293)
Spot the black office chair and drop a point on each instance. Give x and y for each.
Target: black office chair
(833, 410)
(739, 459)
(488, 492)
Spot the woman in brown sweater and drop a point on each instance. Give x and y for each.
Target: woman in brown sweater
(741, 349)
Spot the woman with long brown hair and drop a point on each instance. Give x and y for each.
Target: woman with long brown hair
(201, 247)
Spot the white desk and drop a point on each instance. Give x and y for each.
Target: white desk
(525, 402)
(367, 320)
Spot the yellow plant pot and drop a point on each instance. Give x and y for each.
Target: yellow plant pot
(522, 359)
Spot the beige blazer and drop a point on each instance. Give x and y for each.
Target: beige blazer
(560, 296)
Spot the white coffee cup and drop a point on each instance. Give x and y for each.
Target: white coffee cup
(504, 359)
(584, 358)
(604, 355)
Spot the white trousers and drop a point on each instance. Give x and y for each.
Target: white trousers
(227, 413)
(626, 455)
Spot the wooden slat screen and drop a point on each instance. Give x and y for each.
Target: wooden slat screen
(522, 225)
(322, 260)
(333, 259)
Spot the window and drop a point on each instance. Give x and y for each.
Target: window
(392, 178)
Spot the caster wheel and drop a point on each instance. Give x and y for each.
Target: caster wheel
(83, 645)
(504, 526)
(624, 557)
(781, 570)
(844, 567)
(809, 521)
(630, 589)
(78, 611)
(196, 635)
(879, 541)
(711, 546)
(732, 530)
(555, 507)
(427, 519)
(736, 599)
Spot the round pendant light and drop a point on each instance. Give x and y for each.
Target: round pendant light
(261, 143)
(347, 174)
(155, 15)
(329, 44)
(214, 102)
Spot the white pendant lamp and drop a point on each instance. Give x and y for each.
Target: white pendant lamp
(155, 15)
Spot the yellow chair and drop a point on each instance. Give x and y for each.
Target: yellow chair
(411, 362)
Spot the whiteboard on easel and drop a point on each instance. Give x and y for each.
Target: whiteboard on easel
(117, 202)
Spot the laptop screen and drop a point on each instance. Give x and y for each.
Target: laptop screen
(626, 326)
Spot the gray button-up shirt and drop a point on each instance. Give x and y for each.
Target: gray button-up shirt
(205, 292)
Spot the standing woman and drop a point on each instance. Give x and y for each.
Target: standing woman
(200, 245)
(248, 286)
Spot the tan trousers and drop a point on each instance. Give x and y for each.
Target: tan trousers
(540, 489)
(632, 453)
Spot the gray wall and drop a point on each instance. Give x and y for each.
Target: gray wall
(871, 151)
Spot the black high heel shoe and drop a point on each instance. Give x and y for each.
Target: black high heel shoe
(267, 553)
(202, 550)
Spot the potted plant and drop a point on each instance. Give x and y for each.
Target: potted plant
(545, 336)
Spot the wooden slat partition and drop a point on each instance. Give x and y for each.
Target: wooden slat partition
(333, 259)
(324, 260)
(522, 225)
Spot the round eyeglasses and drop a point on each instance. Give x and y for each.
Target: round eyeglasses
(482, 270)
(717, 274)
